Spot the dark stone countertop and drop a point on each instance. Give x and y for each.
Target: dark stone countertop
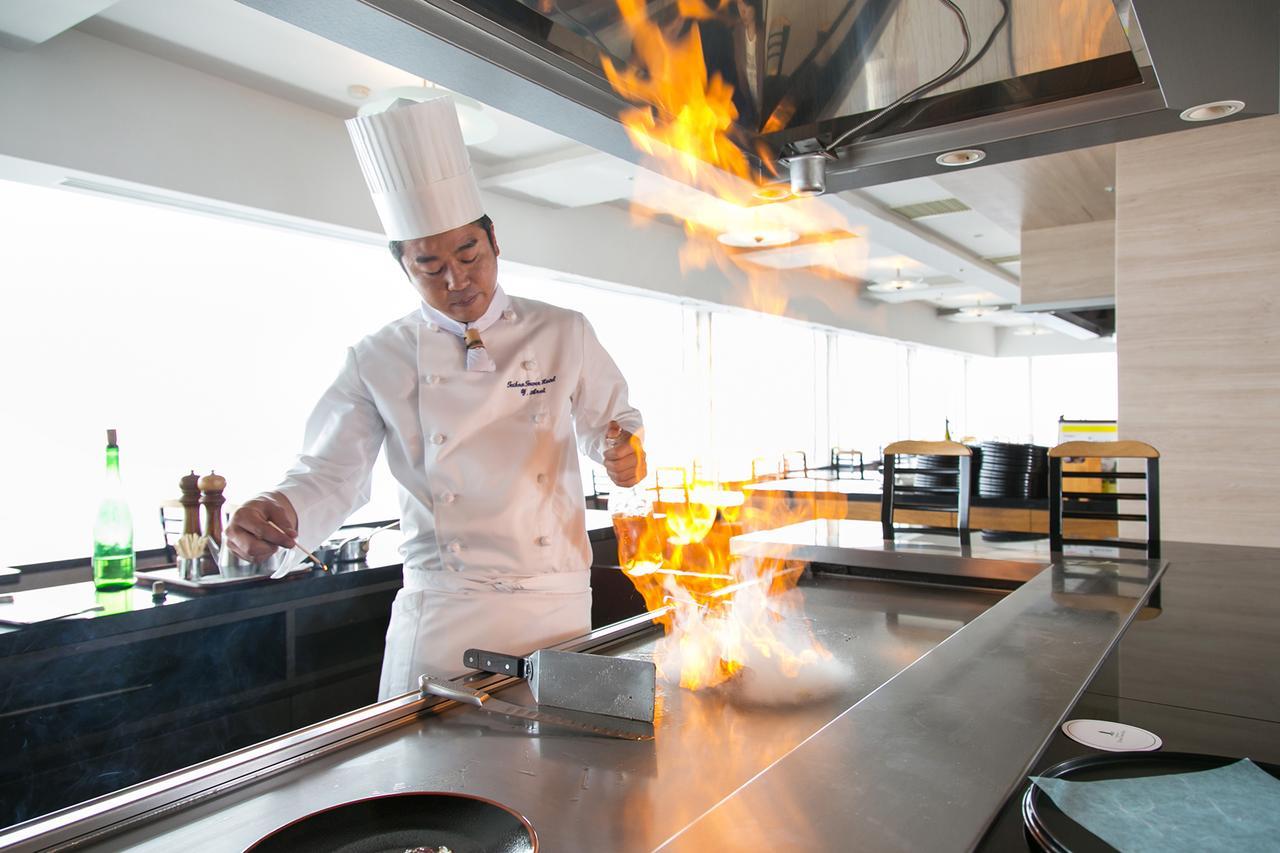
(135, 609)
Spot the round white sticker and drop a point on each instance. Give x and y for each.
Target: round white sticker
(1113, 737)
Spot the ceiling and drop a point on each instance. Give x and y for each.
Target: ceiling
(960, 233)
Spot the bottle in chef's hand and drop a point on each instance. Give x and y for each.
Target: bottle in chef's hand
(113, 555)
(624, 457)
(640, 532)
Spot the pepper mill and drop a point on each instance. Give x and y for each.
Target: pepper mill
(211, 486)
(190, 485)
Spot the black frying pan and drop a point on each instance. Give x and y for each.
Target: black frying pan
(394, 823)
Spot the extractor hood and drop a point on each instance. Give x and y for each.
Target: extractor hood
(809, 73)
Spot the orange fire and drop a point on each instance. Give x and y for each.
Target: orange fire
(725, 615)
(722, 612)
(684, 122)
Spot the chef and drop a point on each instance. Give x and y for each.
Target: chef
(481, 401)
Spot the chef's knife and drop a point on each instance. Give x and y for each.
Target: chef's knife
(616, 687)
(469, 696)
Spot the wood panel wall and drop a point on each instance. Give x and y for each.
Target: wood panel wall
(1198, 308)
(1069, 263)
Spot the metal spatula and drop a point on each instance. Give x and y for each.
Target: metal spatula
(617, 687)
(484, 701)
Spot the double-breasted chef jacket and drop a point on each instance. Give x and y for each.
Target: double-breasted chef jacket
(495, 548)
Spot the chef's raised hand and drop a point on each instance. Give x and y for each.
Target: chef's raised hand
(623, 456)
(250, 536)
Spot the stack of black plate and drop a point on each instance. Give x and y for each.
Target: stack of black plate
(1013, 470)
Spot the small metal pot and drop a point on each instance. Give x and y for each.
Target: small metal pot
(352, 549)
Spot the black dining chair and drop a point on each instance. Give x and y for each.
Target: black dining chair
(843, 459)
(936, 486)
(1080, 504)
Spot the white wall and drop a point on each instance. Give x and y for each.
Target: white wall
(92, 107)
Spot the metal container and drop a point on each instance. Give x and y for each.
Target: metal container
(351, 549)
(231, 566)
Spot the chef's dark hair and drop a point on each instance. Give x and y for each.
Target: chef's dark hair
(397, 246)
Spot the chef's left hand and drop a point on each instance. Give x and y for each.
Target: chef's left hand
(624, 457)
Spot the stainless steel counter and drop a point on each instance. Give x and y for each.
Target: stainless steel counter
(951, 697)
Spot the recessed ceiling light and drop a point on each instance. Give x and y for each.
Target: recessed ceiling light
(759, 238)
(979, 310)
(896, 284)
(962, 157)
(1212, 110)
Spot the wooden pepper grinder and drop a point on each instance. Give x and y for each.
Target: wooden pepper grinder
(190, 485)
(211, 487)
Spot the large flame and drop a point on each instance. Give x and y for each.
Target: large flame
(722, 612)
(725, 615)
(684, 122)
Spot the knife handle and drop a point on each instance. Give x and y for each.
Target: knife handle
(436, 687)
(495, 662)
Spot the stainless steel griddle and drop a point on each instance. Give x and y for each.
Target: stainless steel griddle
(880, 759)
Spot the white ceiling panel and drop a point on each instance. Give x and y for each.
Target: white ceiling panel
(912, 191)
(973, 231)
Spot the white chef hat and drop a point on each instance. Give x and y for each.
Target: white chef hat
(417, 168)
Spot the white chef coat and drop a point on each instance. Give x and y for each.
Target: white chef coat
(495, 547)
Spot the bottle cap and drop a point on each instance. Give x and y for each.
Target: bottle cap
(111, 438)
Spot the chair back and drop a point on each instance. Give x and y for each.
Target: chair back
(935, 487)
(1082, 504)
(846, 459)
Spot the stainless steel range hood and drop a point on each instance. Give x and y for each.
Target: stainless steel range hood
(1056, 76)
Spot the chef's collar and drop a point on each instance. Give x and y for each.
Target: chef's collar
(498, 305)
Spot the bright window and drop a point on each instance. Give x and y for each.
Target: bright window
(937, 392)
(869, 397)
(1079, 387)
(765, 383)
(206, 340)
(998, 399)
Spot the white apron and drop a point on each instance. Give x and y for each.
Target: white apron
(438, 616)
(495, 551)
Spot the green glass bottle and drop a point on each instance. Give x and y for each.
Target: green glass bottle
(113, 557)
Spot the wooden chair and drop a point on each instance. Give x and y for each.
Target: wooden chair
(927, 498)
(795, 462)
(1083, 504)
(842, 460)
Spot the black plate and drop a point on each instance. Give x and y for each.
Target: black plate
(394, 823)
(1049, 829)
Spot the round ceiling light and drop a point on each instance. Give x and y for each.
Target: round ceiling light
(962, 157)
(759, 238)
(772, 192)
(477, 123)
(1212, 110)
(979, 310)
(896, 284)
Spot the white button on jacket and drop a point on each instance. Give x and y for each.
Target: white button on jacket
(469, 427)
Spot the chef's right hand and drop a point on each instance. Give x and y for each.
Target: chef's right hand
(249, 535)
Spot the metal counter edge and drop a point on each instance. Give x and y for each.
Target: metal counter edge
(99, 818)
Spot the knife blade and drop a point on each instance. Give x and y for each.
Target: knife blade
(575, 681)
(470, 696)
